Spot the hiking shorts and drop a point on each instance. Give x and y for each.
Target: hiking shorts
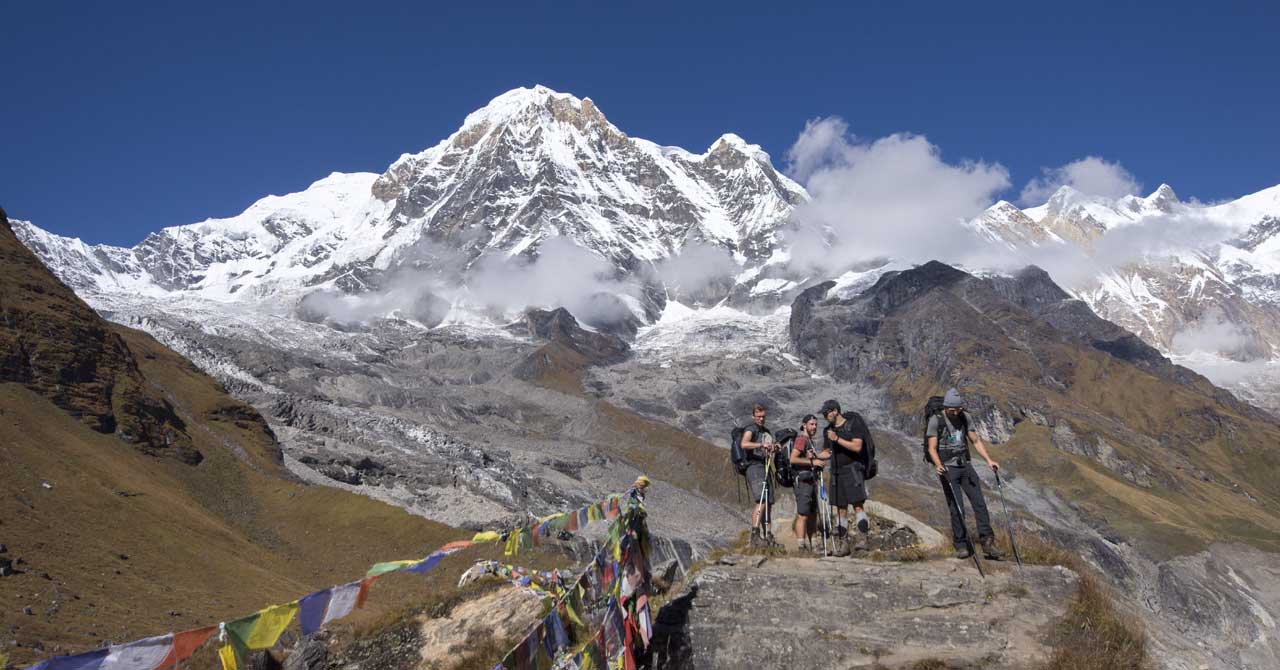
(806, 496)
(848, 487)
(757, 482)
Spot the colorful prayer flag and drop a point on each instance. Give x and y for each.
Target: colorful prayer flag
(341, 601)
(87, 661)
(389, 566)
(486, 537)
(311, 610)
(145, 654)
(363, 594)
(227, 654)
(185, 644)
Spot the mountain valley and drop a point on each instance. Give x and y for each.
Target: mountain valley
(539, 308)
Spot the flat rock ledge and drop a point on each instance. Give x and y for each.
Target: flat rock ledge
(850, 613)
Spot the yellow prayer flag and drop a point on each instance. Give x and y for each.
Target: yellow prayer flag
(513, 543)
(486, 536)
(271, 624)
(227, 654)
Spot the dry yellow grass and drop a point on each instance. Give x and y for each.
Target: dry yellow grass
(1096, 635)
(134, 545)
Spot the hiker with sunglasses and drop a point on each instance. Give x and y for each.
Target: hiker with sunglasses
(949, 434)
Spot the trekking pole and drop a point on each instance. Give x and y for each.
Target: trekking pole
(967, 539)
(1007, 521)
(769, 472)
(824, 513)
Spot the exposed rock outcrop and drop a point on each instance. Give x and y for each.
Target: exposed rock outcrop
(54, 344)
(833, 612)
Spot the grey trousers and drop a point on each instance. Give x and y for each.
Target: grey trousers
(963, 478)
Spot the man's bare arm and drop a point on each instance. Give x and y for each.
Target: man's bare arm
(854, 445)
(982, 450)
(933, 455)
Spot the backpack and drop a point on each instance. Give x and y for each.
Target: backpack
(870, 464)
(931, 409)
(784, 473)
(867, 456)
(738, 455)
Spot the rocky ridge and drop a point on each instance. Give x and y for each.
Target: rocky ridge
(1098, 426)
(849, 613)
(55, 345)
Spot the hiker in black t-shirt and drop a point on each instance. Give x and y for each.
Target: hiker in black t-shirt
(950, 432)
(758, 444)
(845, 434)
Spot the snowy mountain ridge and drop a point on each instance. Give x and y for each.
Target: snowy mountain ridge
(1199, 282)
(540, 174)
(531, 165)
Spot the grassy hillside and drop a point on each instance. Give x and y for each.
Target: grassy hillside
(121, 545)
(113, 538)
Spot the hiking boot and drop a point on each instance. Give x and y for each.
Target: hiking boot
(989, 549)
(841, 547)
(963, 553)
(754, 542)
(860, 544)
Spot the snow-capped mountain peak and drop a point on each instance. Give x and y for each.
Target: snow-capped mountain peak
(1163, 199)
(530, 165)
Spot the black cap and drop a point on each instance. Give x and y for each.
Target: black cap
(829, 406)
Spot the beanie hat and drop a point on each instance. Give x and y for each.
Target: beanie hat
(952, 399)
(829, 406)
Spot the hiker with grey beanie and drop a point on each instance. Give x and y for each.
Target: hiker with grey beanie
(949, 434)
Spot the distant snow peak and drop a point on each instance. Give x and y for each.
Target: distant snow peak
(732, 142)
(1163, 199)
(530, 166)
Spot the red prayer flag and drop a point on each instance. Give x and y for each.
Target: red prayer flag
(365, 585)
(185, 644)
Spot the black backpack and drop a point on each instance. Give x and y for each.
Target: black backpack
(737, 454)
(867, 457)
(870, 464)
(784, 473)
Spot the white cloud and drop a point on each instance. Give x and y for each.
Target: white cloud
(822, 142)
(1090, 175)
(563, 275)
(893, 197)
(695, 267)
(434, 279)
(1214, 333)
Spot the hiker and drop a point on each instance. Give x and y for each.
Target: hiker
(808, 463)
(949, 434)
(757, 443)
(845, 434)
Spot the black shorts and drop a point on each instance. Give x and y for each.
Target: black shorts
(848, 486)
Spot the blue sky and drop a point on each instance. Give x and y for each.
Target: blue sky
(121, 118)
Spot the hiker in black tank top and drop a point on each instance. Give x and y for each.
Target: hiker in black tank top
(845, 434)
